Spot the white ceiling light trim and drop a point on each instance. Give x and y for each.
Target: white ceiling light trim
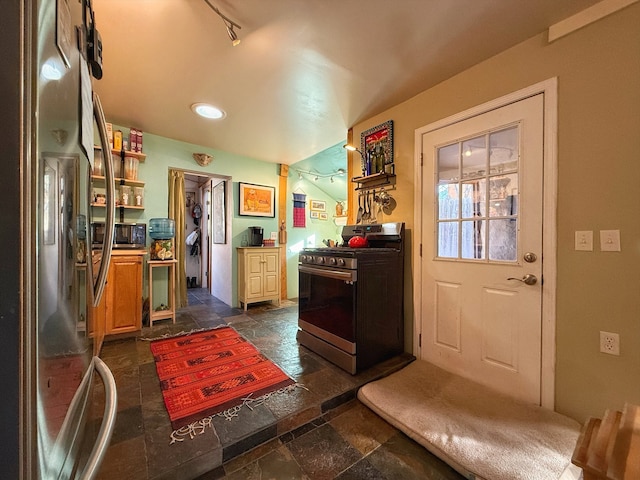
(208, 111)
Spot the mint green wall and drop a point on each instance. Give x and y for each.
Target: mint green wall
(163, 154)
(314, 231)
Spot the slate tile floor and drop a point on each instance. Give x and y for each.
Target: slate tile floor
(320, 432)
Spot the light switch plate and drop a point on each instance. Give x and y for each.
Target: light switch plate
(584, 240)
(609, 240)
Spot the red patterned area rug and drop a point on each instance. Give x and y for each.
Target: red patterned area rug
(214, 372)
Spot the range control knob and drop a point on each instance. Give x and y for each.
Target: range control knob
(320, 260)
(341, 262)
(332, 261)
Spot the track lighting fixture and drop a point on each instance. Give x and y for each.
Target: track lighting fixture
(317, 175)
(227, 23)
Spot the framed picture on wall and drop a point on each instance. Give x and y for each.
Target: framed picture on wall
(377, 145)
(318, 206)
(323, 216)
(190, 199)
(257, 200)
(219, 223)
(314, 214)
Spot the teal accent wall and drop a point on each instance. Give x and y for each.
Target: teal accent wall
(314, 231)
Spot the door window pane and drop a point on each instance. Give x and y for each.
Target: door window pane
(448, 239)
(477, 197)
(449, 162)
(504, 151)
(473, 198)
(474, 157)
(448, 201)
(503, 240)
(473, 240)
(503, 195)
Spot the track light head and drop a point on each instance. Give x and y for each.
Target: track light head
(227, 23)
(235, 41)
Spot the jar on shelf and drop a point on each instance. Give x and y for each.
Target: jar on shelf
(117, 166)
(126, 195)
(138, 196)
(131, 168)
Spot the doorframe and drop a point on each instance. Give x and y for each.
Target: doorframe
(228, 257)
(549, 88)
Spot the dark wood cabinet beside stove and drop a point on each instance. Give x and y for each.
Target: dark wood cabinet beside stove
(350, 303)
(379, 311)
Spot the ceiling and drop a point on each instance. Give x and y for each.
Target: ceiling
(306, 70)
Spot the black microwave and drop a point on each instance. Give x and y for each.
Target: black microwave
(125, 235)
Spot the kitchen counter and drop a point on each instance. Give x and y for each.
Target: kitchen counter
(127, 251)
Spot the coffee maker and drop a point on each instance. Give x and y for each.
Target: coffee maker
(255, 236)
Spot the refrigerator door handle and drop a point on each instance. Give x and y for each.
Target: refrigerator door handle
(101, 279)
(108, 421)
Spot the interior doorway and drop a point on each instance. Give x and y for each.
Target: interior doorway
(208, 264)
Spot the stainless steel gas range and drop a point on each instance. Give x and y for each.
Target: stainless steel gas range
(350, 306)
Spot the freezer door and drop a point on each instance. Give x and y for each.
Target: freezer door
(62, 366)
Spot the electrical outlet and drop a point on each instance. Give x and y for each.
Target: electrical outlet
(610, 343)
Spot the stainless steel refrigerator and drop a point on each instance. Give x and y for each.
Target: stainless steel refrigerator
(52, 127)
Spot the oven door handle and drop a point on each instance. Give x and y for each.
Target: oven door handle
(349, 276)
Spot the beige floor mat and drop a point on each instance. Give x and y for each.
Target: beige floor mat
(479, 432)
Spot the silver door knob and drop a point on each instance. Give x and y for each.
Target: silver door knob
(528, 279)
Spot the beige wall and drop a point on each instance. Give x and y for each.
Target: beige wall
(598, 71)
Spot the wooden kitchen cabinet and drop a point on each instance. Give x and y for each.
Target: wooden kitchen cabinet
(258, 275)
(120, 309)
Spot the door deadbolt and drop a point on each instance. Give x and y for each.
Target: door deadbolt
(530, 257)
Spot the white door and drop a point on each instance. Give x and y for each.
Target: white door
(482, 248)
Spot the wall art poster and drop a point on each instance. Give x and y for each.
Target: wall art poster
(257, 200)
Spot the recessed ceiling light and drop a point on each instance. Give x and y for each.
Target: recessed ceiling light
(208, 111)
